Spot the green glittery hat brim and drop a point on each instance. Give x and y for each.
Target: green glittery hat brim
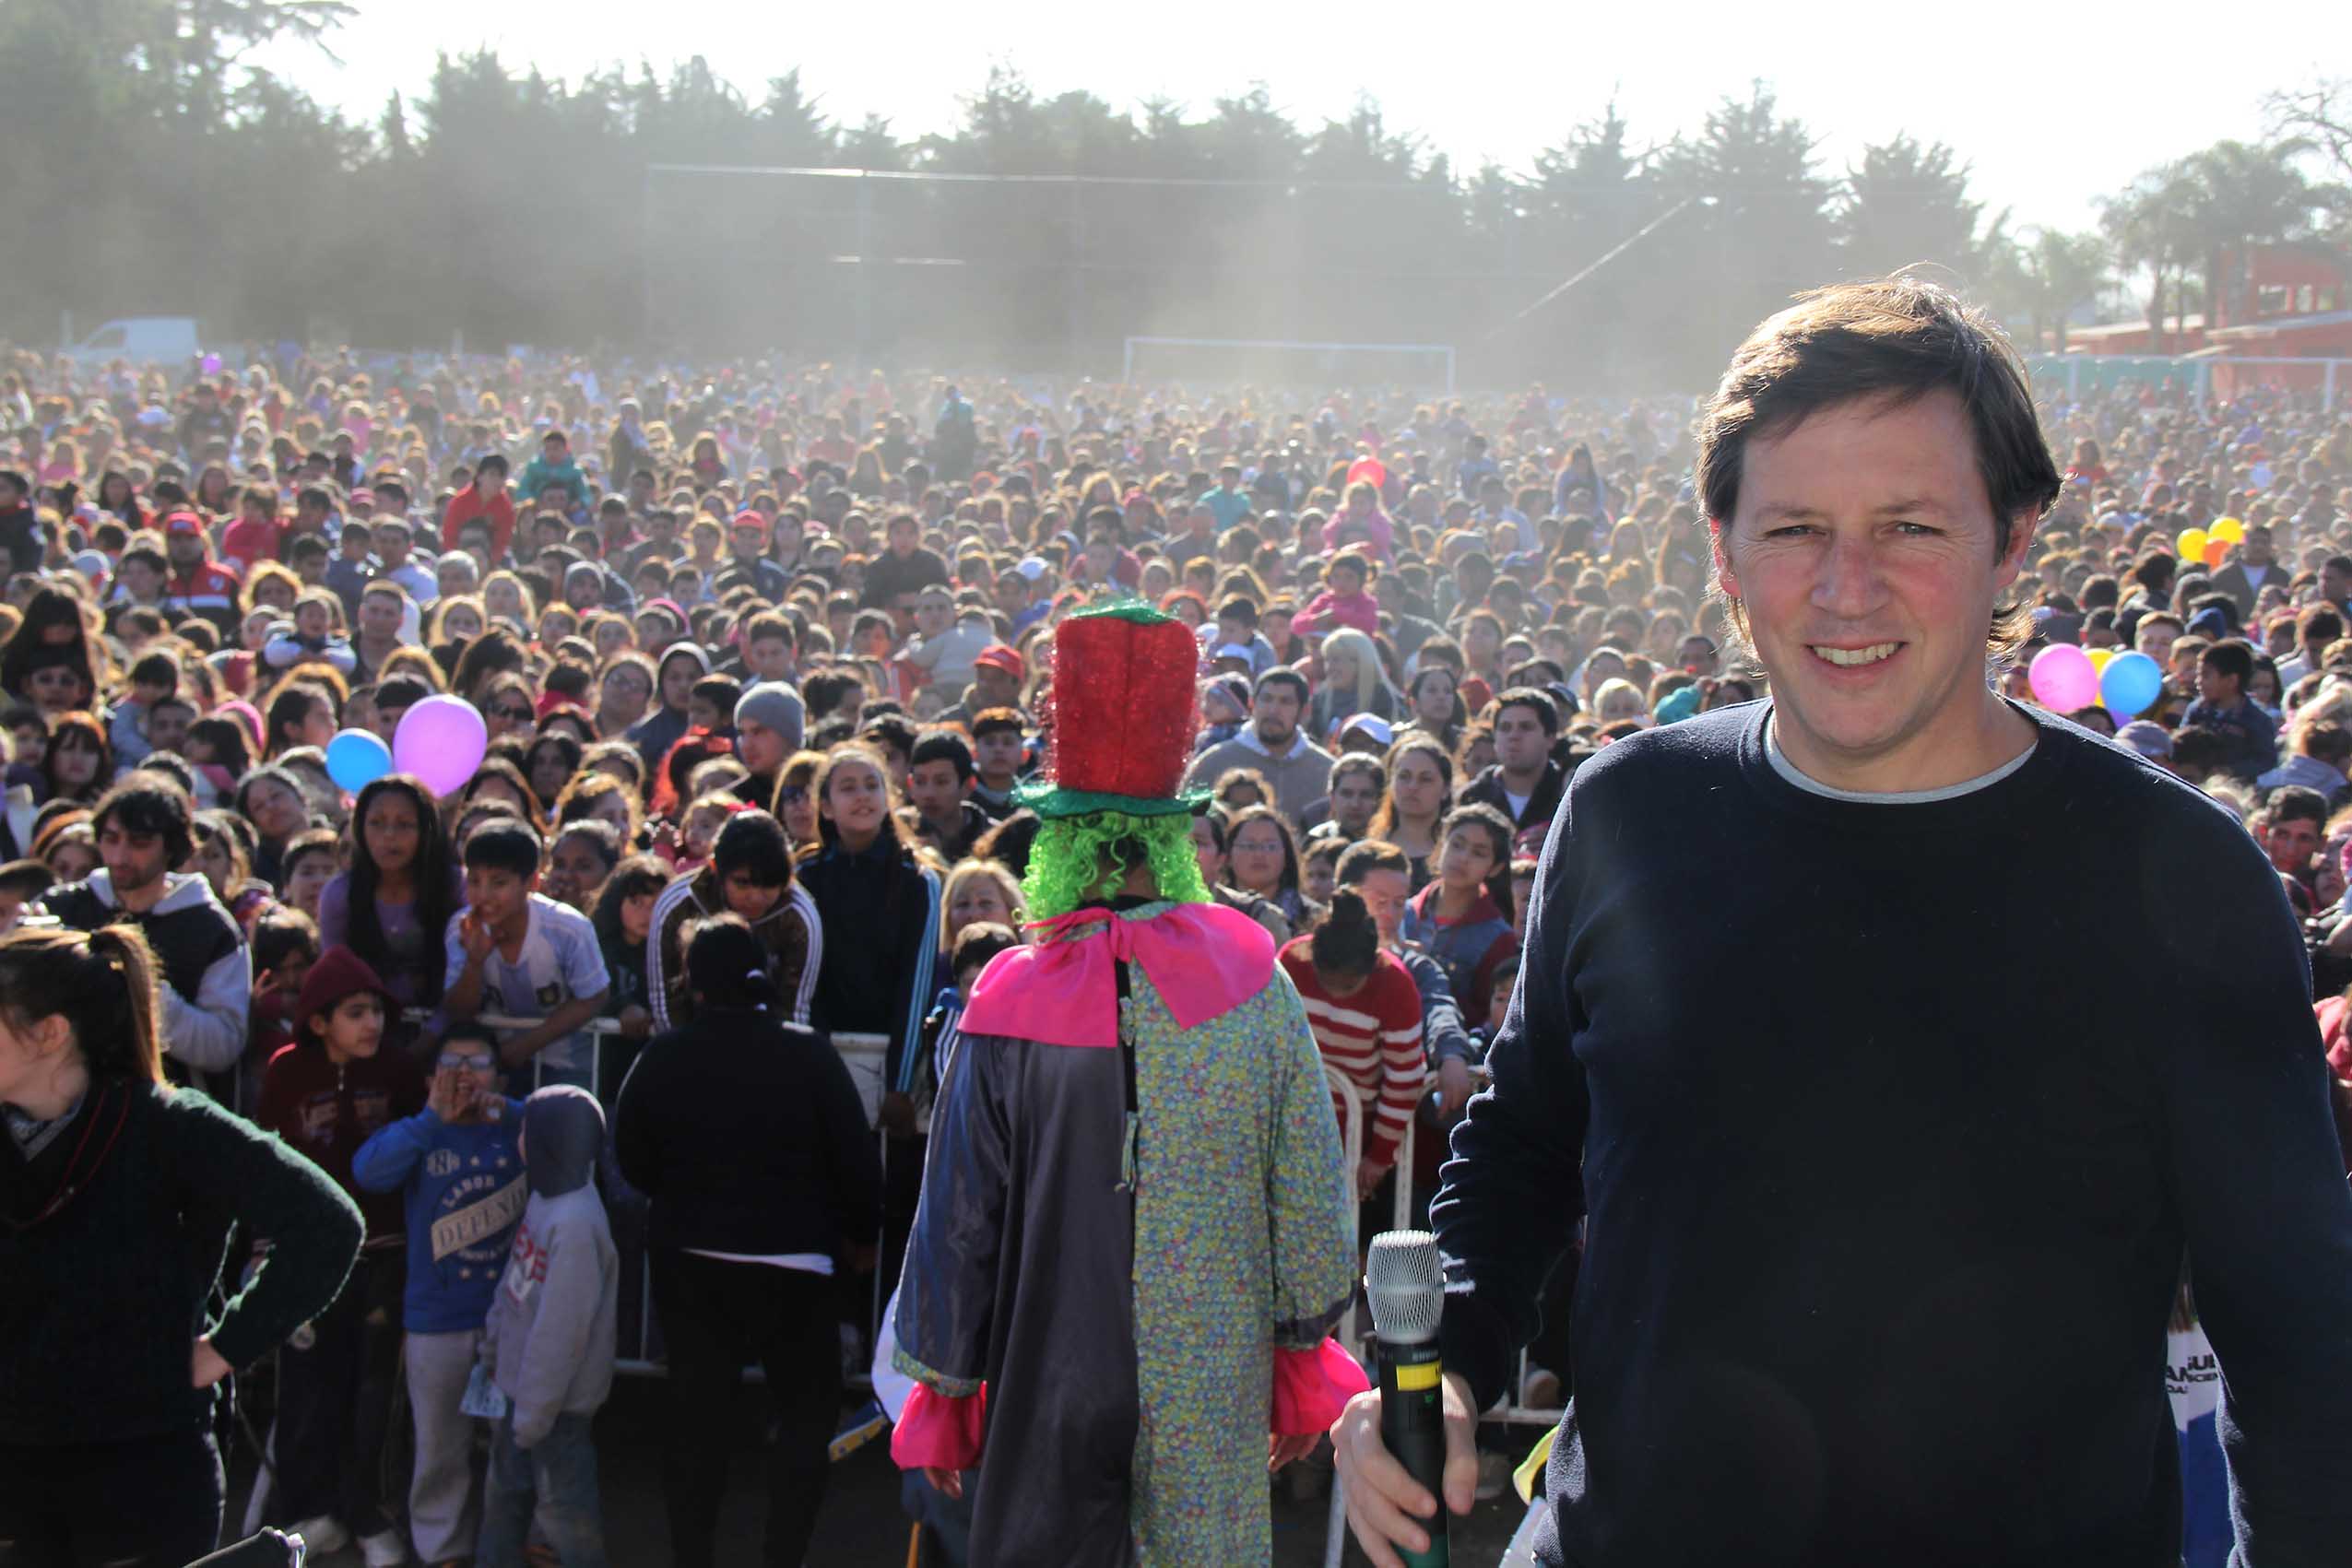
(1052, 801)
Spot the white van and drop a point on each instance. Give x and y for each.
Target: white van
(173, 342)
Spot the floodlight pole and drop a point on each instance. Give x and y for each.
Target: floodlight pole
(862, 306)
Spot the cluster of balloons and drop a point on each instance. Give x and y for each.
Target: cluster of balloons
(2065, 678)
(441, 740)
(2212, 545)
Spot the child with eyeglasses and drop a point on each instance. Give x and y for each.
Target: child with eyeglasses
(459, 1169)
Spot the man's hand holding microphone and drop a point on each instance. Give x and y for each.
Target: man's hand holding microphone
(1413, 1436)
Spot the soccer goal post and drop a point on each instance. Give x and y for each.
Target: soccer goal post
(1425, 367)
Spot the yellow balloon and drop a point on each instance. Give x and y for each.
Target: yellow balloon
(2227, 528)
(2099, 657)
(2193, 544)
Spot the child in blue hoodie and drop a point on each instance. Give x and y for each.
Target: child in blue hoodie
(549, 1341)
(459, 1168)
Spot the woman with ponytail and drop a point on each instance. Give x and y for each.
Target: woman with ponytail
(1365, 1012)
(117, 1197)
(745, 1131)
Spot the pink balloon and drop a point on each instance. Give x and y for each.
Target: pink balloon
(441, 740)
(2062, 675)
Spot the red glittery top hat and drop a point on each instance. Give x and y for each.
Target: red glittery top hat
(1123, 715)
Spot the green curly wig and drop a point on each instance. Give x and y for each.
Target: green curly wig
(1068, 850)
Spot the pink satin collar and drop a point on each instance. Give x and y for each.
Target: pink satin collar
(1203, 958)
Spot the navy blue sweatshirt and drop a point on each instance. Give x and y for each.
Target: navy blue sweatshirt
(1893, 1123)
(880, 912)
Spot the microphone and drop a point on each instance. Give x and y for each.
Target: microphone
(1407, 1295)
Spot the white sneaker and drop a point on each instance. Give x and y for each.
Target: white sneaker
(385, 1550)
(321, 1535)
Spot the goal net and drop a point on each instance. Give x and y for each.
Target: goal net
(1410, 367)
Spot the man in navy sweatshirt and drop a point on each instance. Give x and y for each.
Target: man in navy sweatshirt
(1885, 1219)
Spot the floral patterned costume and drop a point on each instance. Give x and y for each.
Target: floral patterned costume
(1120, 1266)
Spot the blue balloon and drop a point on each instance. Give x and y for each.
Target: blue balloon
(2130, 685)
(356, 758)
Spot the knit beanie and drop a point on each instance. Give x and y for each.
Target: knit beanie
(338, 973)
(775, 704)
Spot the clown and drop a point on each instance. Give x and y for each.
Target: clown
(1135, 1229)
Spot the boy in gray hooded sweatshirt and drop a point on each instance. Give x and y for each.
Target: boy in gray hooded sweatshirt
(549, 1341)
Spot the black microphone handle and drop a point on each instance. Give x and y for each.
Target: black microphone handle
(1412, 1428)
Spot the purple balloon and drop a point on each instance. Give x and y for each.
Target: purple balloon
(441, 740)
(2063, 678)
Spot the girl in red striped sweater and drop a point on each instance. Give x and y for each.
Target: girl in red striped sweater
(1367, 1015)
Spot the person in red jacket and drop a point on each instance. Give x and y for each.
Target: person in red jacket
(486, 497)
(199, 585)
(326, 1094)
(257, 534)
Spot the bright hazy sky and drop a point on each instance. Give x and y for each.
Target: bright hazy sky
(2064, 102)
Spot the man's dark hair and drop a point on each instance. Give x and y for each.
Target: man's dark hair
(310, 841)
(2230, 657)
(980, 942)
(597, 832)
(1367, 855)
(895, 731)
(942, 746)
(988, 721)
(401, 691)
(2296, 804)
(2198, 749)
(2327, 742)
(823, 689)
(169, 765)
(11, 476)
(1282, 675)
(1530, 697)
(1895, 340)
(157, 669)
(148, 803)
(303, 547)
(756, 844)
(2319, 625)
(505, 846)
(493, 460)
(1240, 609)
(27, 879)
(281, 933)
(722, 692)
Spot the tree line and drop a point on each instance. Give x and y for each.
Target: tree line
(146, 168)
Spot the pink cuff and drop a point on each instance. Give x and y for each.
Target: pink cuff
(936, 1432)
(1311, 1387)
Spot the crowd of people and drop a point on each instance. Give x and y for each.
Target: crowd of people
(765, 653)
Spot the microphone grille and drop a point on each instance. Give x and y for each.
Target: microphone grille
(1406, 1285)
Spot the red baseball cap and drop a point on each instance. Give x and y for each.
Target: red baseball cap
(996, 656)
(184, 523)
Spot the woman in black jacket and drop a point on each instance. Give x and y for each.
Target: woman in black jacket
(746, 1133)
(117, 1194)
